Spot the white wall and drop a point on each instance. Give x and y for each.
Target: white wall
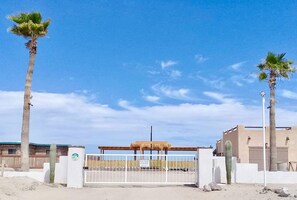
(248, 173)
(60, 170)
(219, 169)
(42, 175)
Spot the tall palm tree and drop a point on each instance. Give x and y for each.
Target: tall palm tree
(31, 27)
(275, 66)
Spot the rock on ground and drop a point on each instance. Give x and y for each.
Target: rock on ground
(215, 187)
(206, 188)
(284, 192)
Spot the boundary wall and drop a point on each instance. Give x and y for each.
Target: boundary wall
(209, 169)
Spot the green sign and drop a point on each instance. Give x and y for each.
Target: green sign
(74, 156)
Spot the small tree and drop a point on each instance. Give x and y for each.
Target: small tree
(275, 66)
(31, 27)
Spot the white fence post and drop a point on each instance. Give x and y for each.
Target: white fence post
(166, 168)
(126, 169)
(204, 172)
(76, 158)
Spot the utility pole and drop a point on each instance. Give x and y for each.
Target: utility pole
(264, 136)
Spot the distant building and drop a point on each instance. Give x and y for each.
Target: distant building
(247, 144)
(14, 148)
(10, 153)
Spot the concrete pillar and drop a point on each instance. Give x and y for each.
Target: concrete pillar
(204, 167)
(76, 158)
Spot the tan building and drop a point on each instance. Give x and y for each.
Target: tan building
(247, 144)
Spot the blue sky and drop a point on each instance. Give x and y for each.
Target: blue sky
(107, 70)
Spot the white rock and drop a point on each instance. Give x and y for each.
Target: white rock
(206, 188)
(284, 192)
(215, 187)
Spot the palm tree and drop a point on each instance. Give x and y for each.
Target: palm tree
(31, 27)
(275, 66)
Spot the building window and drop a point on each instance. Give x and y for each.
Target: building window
(47, 152)
(11, 151)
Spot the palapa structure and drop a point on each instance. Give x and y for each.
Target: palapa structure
(162, 147)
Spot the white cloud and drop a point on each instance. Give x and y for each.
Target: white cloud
(253, 76)
(153, 99)
(236, 66)
(166, 64)
(175, 74)
(240, 80)
(200, 58)
(289, 94)
(217, 83)
(181, 93)
(220, 97)
(239, 84)
(123, 103)
(153, 72)
(75, 119)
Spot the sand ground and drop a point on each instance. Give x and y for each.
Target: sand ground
(22, 188)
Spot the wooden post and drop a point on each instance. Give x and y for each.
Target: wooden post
(141, 152)
(53, 157)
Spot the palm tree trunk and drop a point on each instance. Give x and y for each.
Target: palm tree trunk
(32, 45)
(273, 149)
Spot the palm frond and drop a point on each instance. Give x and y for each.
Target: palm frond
(261, 66)
(281, 56)
(275, 65)
(262, 76)
(29, 25)
(283, 74)
(35, 17)
(46, 23)
(271, 58)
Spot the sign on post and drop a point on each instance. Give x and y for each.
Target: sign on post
(144, 163)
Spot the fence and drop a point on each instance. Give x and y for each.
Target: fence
(35, 161)
(142, 168)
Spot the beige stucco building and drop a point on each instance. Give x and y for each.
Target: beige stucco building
(247, 144)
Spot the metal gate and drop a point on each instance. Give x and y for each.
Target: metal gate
(140, 168)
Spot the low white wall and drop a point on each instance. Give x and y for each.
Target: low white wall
(42, 175)
(248, 173)
(219, 169)
(60, 170)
